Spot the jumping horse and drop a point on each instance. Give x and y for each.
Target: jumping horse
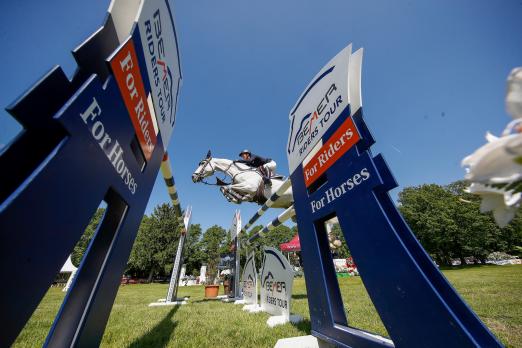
(246, 182)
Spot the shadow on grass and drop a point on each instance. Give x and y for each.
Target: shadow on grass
(218, 300)
(304, 326)
(461, 267)
(160, 334)
(299, 296)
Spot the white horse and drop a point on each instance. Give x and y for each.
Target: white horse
(245, 183)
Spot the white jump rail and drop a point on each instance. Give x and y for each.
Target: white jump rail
(287, 214)
(286, 184)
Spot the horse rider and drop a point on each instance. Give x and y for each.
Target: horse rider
(265, 165)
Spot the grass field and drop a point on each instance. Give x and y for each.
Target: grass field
(494, 292)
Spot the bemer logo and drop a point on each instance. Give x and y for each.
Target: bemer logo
(162, 74)
(314, 121)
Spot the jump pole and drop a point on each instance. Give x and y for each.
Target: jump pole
(235, 230)
(172, 293)
(166, 170)
(287, 214)
(237, 275)
(285, 186)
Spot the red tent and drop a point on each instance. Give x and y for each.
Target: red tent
(292, 245)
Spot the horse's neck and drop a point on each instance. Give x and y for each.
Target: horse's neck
(226, 166)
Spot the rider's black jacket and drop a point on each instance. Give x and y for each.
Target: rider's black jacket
(255, 161)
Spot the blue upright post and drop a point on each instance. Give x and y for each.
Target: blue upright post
(333, 173)
(85, 141)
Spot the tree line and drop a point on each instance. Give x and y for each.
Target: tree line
(445, 219)
(154, 249)
(448, 223)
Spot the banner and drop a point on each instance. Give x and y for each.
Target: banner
(125, 67)
(277, 278)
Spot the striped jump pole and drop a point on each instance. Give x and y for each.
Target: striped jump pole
(171, 185)
(287, 214)
(172, 293)
(286, 184)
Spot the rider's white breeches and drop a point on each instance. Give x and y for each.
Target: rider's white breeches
(271, 166)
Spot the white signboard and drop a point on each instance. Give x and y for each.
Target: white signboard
(182, 275)
(234, 232)
(203, 274)
(326, 97)
(236, 225)
(277, 278)
(249, 281)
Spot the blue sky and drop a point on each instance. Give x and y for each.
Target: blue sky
(433, 77)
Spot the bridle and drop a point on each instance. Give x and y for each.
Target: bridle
(203, 164)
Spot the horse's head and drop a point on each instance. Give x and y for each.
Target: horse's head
(204, 169)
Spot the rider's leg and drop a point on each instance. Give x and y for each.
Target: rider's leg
(269, 168)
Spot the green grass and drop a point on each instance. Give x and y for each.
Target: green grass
(494, 292)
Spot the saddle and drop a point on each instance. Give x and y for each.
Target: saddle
(269, 174)
(259, 197)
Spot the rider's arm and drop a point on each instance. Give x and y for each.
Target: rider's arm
(259, 161)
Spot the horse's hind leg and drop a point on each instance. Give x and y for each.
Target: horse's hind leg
(231, 195)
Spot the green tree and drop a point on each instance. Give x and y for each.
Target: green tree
(85, 239)
(212, 244)
(485, 236)
(280, 234)
(193, 255)
(341, 252)
(428, 209)
(156, 243)
(448, 223)
(140, 260)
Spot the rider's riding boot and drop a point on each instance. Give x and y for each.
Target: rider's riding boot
(267, 181)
